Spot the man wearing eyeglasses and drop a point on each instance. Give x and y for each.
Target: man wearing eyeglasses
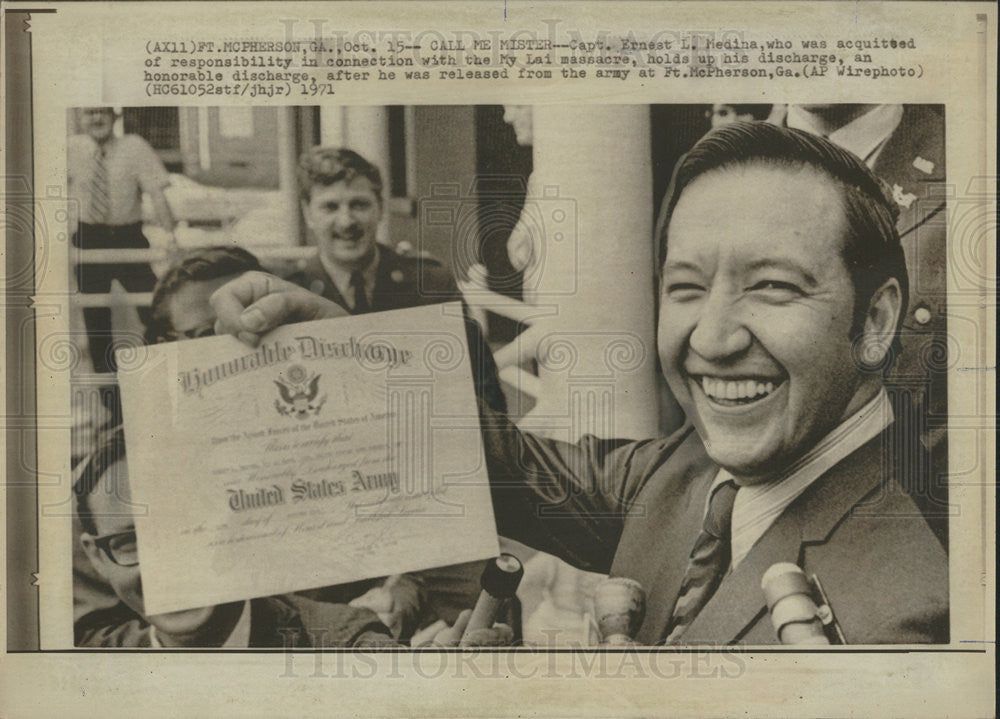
(107, 538)
(105, 510)
(107, 176)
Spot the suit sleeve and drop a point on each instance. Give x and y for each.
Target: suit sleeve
(569, 500)
(485, 373)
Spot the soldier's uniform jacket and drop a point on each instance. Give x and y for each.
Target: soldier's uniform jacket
(912, 163)
(400, 282)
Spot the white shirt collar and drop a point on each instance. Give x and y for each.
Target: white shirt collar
(104, 147)
(864, 135)
(341, 276)
(758, 506)
(238, 638)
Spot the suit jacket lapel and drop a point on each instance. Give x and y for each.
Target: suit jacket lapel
(739, 601)
(670, 540)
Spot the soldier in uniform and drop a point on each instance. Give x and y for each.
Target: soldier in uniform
(342, 203)
(341, 194)
(904, 146)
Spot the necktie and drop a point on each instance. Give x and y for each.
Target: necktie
(708, 563)
(360, 297)
(100, 195)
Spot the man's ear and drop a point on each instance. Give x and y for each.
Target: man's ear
(884, 310)
(92, 552)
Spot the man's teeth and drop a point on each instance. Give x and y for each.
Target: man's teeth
(738, 389)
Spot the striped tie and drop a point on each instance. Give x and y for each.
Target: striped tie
(708, 563)
(100, 195)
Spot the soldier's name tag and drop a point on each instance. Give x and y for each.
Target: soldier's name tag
(334, 451)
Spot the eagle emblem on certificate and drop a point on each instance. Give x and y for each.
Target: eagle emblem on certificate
(298, 389)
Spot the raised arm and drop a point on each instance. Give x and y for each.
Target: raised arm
(566, 499)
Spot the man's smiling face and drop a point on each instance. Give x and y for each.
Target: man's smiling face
(756, 313)
(344, 218)
(98, 122)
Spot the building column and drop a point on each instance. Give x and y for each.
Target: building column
(590, 211)
(595, 268)
(331, 125)
(287, 181)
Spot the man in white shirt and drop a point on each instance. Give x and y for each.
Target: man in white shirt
(107, 176)
(777, 316)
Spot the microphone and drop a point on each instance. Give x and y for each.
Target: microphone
(619, 608)
(794, 614)
(499, 582)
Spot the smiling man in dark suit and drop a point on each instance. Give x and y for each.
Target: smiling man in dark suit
(777, 319)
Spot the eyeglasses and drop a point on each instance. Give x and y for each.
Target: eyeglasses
(121, 548)
(207, 330)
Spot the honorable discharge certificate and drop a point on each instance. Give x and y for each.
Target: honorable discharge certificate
(331, 452)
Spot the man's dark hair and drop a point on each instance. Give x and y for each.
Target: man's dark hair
(872, 250)
(329, 165)
(111, 450)
(202, 265)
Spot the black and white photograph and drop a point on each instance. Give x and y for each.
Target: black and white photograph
(388, 356)
(804, 390)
